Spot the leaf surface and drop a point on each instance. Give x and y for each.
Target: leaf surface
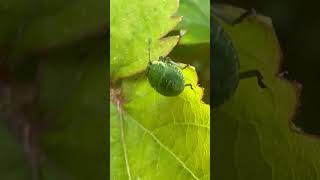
(164, 137)
(152, 136)
(254, 127)
(196, 21)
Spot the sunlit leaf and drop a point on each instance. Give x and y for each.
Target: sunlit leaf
(152, 136)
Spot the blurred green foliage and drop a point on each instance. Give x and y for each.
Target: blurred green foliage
(59, 50)
(195, 22)
(13, 164)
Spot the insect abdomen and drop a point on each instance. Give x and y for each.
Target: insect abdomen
(225, 65)
(165, 79)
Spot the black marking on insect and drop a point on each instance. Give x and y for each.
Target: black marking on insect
(226, 75)
(165, 76)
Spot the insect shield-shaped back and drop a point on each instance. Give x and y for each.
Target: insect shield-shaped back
(165, 77)
(226, 75)
(225, 64)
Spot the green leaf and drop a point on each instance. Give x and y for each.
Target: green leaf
(196, 21)
(152, 136)
(132, 23)
(159, 137)
(253, 132)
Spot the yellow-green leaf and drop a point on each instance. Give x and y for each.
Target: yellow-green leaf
(253, 133)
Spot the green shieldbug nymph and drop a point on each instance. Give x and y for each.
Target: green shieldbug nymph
(165, 77)
(226, 73)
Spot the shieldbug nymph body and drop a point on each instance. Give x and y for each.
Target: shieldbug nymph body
(165, 76)
(226, 75)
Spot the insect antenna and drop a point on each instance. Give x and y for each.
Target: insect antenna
(149, 45)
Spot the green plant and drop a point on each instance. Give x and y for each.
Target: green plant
(253, 135)
(152, 136)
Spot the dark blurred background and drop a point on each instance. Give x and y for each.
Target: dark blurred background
(297, 26)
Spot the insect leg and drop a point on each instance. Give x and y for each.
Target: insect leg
(187, 65)
(188, 85)
(167, 59)
(243, 16)
(253, 73)
(180, 65)
(176, 64)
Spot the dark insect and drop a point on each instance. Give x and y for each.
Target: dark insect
(165, 77)
(226, 73)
